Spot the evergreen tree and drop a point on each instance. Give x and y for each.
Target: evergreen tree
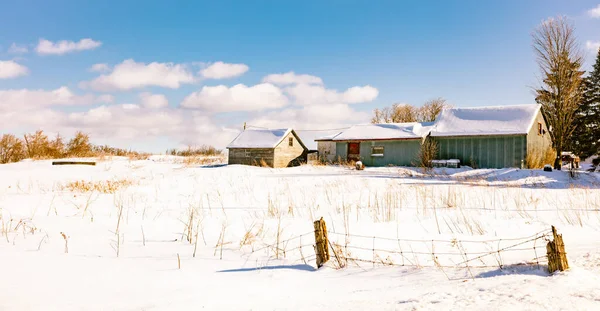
(586, 138)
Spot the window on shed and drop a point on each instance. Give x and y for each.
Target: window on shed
(377, 151)
(540, 129)
(291, 141)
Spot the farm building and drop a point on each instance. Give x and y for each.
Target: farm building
(492, 137)
(482, 137)
(376, 144)
(273, 148)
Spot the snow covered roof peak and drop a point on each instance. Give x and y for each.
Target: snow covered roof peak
(383, 131)
(259, 138)
(492, 120)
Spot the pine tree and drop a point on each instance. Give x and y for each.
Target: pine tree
(586, 138)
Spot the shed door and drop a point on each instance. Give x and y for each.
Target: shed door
(353, 151)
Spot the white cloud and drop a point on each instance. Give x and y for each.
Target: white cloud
(11, 69)
(130, 75)
(47, 47)
(595, 12)
(221, 70)
(592, 46)
(154, 101)
(291, 78)
(306, 95)
(17, 49)
(236, 98)
(25, 99)
(99, 68)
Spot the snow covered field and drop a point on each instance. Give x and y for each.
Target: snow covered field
(108, 237)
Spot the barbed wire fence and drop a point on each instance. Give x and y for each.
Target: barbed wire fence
(464, 254)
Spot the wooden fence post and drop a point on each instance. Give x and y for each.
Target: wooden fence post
(321, 247)
(557, 257)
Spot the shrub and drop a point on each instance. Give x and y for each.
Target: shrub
(428, 152)
(79, 146)
(37, 145)
(11, 149)
(596, 161)
(537, 158)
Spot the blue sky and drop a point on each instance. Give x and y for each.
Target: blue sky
(472, 53)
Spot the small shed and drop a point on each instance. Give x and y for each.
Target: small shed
(267, 147)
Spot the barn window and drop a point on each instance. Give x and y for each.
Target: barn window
(377, 151)
(291, 141)
(540, 129)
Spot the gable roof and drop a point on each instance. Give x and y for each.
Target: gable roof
(382, 131)
(498, 120)
(261, 138)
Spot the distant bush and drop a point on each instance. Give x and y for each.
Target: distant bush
(79, 146)
(195, 151)
(11, 149)
(596, 161)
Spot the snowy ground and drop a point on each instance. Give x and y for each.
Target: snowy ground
(251, 231)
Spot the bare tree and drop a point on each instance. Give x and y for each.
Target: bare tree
(559, 58)
(401, 113)
(432, 109)
(404, 113)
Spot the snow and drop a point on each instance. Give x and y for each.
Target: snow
(308, 137)
(498, 120)
(259, 138)
(239, 212)
(379, 131)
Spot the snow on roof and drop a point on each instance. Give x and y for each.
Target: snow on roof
(499, 120)
(309, 137)
(385, 131)
(259, 138)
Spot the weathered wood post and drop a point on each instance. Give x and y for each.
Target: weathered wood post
(321, 246)
(557, 257)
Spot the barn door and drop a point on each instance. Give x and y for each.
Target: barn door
(353, 151)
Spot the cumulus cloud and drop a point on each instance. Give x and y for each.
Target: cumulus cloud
(153, 101)
(306, 95)
(595, 12)
(10, 69)
(25, 99)
(99, 68)
(592, 46)
(46, 47)
(291, 78)
(130, 75)
(239, 97)
(221, 70)
(17, 49)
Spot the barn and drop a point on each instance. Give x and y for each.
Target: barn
(492, 137)
(375, 144)
(480, 137)
(267, 147)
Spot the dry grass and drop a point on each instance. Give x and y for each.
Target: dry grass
(537, 158)
(106, 186)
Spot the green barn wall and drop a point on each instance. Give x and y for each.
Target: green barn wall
(399, 152)
(484, 151)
